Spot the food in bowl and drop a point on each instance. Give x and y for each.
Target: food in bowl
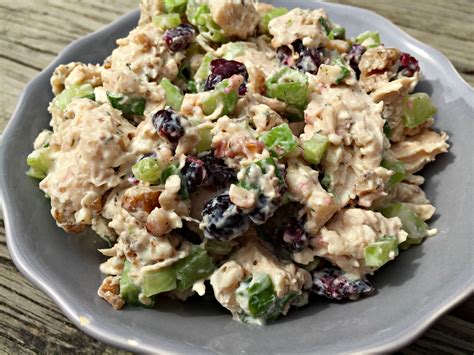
(254, 151)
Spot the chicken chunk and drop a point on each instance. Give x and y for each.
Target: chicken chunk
(416, 151)
(299, 24)
(92, 156)
(237, 18)
(344, 238)
(353, 125)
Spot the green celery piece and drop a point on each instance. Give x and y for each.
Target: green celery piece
(325, 25)
(380, 252)
(173, 169)
(220, 96)
(159, 281)
(315, 148)
(198, 265)
(417, 109)
(165, 22)
(387, 130)
(290, 86)
(200, 16)
(233, 50)
(73, 92)
(368, 39)
(256, 296)
(128, 289)
(191, 86)
(280, 140)
(337, 33)
(270, 15)
(250, 183)
(218, 247)
(205, 139)
(312, 265)
(203, 72)
(175, 6)
(344, 70)
(128, 105)
(281, 303)
(147, 170)
(174, 97)
(39, 162)
(326, 182)
(397, 167)
(411, 223)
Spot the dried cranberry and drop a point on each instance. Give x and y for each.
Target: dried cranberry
(223, 69)
(189, 234)
(294, 235)
(168, 124)
(218, 172)
(222, 220)
(408, 65)
(309, 58)
(334, 284)
(285, 56)
(179, 38)
(354, 56)
(194, 173)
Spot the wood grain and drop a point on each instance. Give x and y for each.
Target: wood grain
(32, 32)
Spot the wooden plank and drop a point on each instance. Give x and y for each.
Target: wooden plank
(32, 32)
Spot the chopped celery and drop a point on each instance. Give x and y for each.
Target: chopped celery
(198, 265)
(39, 162)
(312, 265)
(173, 169)
(175, 6)
(73, 92)
(218, 247)
(315, 148)
(174, 97)
(127, 104)
(344, 70)
(326, 182)
(256, 296)
(397, 167)
(325, 25)
(147, 170)
(162, 280)
(200, 16)
(205, 139)
(251, 178)
(165, 22)
(411, 223)
(203, 71)
(387, 130)
(380, 252)
(280, 140)
(270, 15)
(233, 50)
(128, 289)
(290, 86)
(221, 97)
(417, 109)
(337, 33)
(368, 39)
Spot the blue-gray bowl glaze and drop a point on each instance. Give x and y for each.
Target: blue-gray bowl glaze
(413, 291)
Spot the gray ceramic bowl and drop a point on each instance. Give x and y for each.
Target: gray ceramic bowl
(418, 287)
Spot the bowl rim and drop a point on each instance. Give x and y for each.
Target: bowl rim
(100, 332)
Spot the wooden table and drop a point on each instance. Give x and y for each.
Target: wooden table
(32, 32)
